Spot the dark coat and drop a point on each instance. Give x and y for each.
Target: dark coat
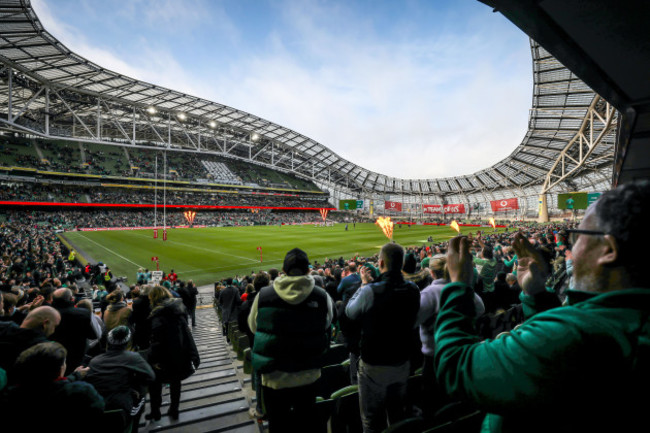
(139, 321)
(118, 375)
(73, 331)
(173, 353)
(67, 406)
(188, 295)
(242, 319)
(13, 340)
(229, 300)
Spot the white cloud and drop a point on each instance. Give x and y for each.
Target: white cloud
(413, 107)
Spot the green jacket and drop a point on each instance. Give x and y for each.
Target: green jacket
(291, 321)
(488, 272)
(576, 368)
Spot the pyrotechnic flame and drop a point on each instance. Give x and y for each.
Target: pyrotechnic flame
(454, 225)
(386, 226)
(493, 223)
(323, 213)
(189, 216)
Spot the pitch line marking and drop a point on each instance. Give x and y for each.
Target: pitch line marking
(200, 248)
(111, 251)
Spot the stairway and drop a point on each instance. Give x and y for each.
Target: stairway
(213, 399)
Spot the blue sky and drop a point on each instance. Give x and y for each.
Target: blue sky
(413, 89)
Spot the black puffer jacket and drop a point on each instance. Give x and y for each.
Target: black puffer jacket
(173, 354)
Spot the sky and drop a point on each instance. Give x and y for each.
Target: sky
(411, 89)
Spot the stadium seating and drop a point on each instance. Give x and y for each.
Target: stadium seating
(346, 417)
(332, 378)
(221, 173)
(75, 158)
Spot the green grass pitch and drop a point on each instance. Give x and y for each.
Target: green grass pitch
(206, 255)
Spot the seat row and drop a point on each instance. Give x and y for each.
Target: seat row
(337, 404)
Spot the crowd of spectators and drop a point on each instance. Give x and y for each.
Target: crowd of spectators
(508, 324)
(106, 162)
(24, 191)
(69, 335)
(101, 218)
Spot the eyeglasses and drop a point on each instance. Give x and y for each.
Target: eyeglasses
(574, 233)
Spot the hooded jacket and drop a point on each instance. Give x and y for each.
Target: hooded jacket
(291, 321)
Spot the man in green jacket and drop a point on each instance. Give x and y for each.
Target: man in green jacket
(581, 367)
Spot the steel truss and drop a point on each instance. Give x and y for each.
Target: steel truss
(50, 92)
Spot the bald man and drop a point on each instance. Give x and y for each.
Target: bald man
(75, 328)
(39, 324)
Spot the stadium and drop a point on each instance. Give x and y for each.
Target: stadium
(110, 184)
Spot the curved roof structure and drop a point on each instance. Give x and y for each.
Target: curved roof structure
(49, 91)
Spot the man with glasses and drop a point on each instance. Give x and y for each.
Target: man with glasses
(581, 367)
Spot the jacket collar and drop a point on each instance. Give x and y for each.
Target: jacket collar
(624, 298)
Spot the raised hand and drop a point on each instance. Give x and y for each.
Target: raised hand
(459, 261)
(532, 269)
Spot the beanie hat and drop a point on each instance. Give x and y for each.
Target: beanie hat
(409, 263)
(119, 336)
(296, 263)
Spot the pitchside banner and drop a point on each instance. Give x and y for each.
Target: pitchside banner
(504, 205)
(393, 205)
(432, 208)
(454, 208)
(439, 209)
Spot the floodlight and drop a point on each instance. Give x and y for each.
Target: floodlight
(255, 136)
(151, 110)
(182, 116)
(213, 124)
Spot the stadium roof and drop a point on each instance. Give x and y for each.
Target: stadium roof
(49, 91)
(609, 45)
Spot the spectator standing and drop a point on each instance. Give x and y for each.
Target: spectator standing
(590, 356)
(291, 320)
(229, 300)
(173, 354)
(117, 313)
(387, 310)
(188, 293)
(261, 280)
(421, 278)
(139, 319)
(75, 328)
(429, 305)
(94, 345)
(350, 283)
